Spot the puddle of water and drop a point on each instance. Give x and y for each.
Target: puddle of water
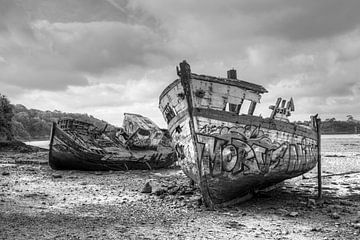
(169, 173)
(8, 165)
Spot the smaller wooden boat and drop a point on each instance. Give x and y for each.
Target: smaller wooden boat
(79, 145)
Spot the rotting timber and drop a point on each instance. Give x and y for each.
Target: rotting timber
(229, 152)
(140, 144)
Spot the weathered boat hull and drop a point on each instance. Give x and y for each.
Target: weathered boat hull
(66, 153)
(143, 133)
(227, 154)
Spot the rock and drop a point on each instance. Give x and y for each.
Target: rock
(311, 202)
(345, 203)
(5, 173)
(293, 214)
(173, 191)
(98, 173)
(281, 211)
(315, 229)
(55, 175)
(179, 198)
(186, 192)
(147, 188)
(356, 225)
(335, 215)
(160, 191)
(305, 177)
(234, 224)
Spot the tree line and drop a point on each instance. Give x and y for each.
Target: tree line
(20, 123)
(333, 126)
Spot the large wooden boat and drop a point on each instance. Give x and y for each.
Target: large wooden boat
(232, 155)
(140, 144)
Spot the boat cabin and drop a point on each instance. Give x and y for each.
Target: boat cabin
(226, 94)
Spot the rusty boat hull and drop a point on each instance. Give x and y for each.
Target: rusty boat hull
(72, 150)
(231, 155)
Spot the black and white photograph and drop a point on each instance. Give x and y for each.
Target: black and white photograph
(180, 119)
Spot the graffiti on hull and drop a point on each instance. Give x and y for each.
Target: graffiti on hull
(248, 150)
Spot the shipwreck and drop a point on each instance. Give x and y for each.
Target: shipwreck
(140, 144)
(230, 154)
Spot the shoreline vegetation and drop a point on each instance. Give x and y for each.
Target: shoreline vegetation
(22, 124)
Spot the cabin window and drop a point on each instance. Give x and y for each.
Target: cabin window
(231, 107)
(252, 108)
(245, 107)
(226, 108)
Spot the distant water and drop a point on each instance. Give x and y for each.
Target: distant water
(41, 144)
(340, 153)
(337, 136)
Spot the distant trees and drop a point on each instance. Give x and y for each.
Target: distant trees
(350, 118)
(6, 114)
(333, 126)
(31, 124)
(18, 122)
(330, 120)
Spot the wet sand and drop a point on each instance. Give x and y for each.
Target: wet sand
(37, 202)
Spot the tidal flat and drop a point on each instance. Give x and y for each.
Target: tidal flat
(37, 202)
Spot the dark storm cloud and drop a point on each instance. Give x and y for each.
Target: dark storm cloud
(98, 46)
(309, 20)
(288, 19)
(68, 11)
(51, 45)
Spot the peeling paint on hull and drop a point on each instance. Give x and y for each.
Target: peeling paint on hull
(71, 150)
(227, 154)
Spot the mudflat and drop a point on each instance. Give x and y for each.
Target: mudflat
(37, 202)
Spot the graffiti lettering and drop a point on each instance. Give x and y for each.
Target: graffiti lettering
(247, 150)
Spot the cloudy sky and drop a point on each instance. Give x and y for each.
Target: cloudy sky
(105, 58)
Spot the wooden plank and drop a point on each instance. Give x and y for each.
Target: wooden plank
(231, 82)
(215, 94)
(273, 124)
(252, 108)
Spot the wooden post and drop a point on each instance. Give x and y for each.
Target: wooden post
(252, 108)
(318, 125)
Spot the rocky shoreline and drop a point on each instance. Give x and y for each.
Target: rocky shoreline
(37, 202)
